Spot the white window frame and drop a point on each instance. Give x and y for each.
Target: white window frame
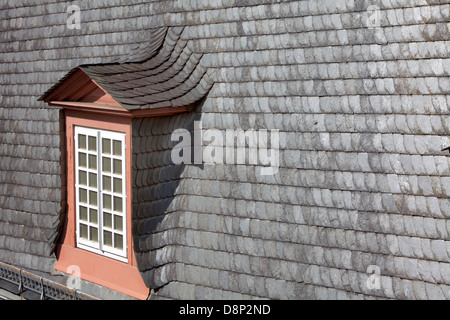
(99, 247)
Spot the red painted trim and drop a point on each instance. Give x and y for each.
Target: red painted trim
(106, 109)
(105, 271)
(167, 111)
(91, 107)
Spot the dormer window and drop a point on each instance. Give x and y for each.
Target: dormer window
(100, 191)
(102, 104)
(97, 234)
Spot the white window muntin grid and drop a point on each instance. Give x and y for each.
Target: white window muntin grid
(87, 133)
(99, 247)
(122, 195)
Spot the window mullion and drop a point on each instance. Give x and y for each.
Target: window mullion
(100, 190)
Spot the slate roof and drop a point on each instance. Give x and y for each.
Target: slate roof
(363, 115)
(155, 182)
(170, 75)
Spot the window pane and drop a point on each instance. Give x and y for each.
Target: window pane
(118, 223)
(117, 148)
(117, 185)
(92, 143)
(81, 141)
(83, 213)
(118, 241)
(118, 204)
(107, 202)
(106, 183)
(92, 180)
(93, 216)
(83, 231)
(93, 198)
(92, 162)
(107, 238)
(106, 164)
(117, 166)
(83, 195)
(93, 236)
(106, 146)
(82, 178)
(107, 220)
(82, 160)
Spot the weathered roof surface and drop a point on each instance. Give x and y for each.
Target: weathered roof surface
(155, 182)
(170, 75)
(363, 114)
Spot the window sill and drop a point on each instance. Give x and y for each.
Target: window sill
(104, 271)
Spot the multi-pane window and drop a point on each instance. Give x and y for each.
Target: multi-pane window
(100, 191)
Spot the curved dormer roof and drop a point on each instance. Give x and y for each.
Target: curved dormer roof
(170, 76)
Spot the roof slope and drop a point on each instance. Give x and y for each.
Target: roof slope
(363, 115)
(170, 76)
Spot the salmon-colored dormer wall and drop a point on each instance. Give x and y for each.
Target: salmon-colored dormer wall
(121, 276)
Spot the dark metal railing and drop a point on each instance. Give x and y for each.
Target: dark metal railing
(46, 288)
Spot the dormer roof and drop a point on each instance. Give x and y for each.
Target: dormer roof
(171, 76)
